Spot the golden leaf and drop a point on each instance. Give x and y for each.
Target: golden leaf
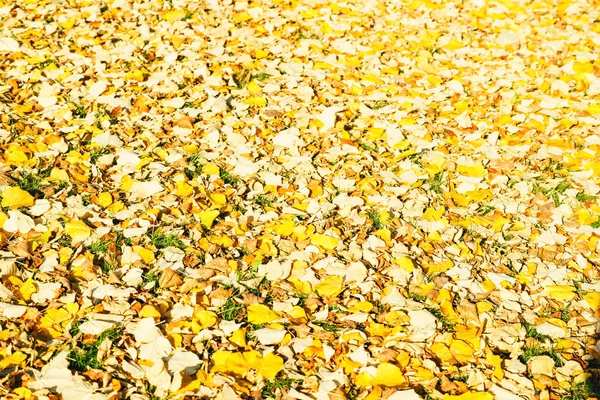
(15, 197)
(78, 230)
(325, 241)
(261, 314)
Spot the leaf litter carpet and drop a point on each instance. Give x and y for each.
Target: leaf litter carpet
(299, 200)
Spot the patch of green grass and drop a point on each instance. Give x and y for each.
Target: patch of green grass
(375, 218)
(554, 192)
(366, 147)
(485, 210)
(99, 247)
(107, 267)
(417, 297)
(79, 110)
(150, 391)
(151, 278)
(263, 201)
(29, 182)
(65, 240)
(460, 377)
(301, 299)
(74, 331)
(435, 183)
(239, 208)
(231, 310)
(161, 240)
(446, 324)
(87, 357)
(590, 388)
(241, 79)
(565, 313)
(261, 76)
(337, 309)
(352, 393)
(268, 391)
(227, 177)
(585, 198)
(537, 350)
(97, 153)
(533, 333)
(328, 326)
(120, 239)
(379, 104)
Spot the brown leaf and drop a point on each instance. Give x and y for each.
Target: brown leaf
(20, 249)
(169, 278)
(185, 122)
(446, 385)
(94, 374)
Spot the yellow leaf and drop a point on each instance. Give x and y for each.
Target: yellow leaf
(261, 54)
(453, 44)
(15, 197)
(254, 88)
(147, 255)
(438, 267)
(499, 223)
(57, 174)
(405, 263)
(54, 316)
(583, 66)
(364, 379)
(242, 17)
(15, 359)
(361, 306)
(593, 299)
(104, 199)
(462, 352)
(208, 217)
(173, 15)
(227, 361)
(116, 207)
(23, 393)
(239, 337)
(149, 311)
(183, 189)
(28, 288)
(496, 362)
(330, 287)
(372, 78)
(286, 228)
(261, 314)
(442, 352)
(477, 170)
(256, 101)
(218, 198)
(325, 241)
(423, 374)
(210, 169)
(78, 230)
(205, 318)
(270, 365)
(385, 235)
(297, 312)
(434, 214)
(594, 109)
(560, 292)
(389, 375)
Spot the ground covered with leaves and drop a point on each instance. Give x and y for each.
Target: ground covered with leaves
(271, 199)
